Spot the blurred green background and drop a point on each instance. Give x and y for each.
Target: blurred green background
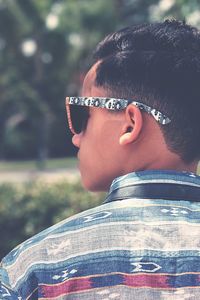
(45, 50)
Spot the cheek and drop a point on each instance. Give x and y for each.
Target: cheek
(100, 148)
(108, 149)
(110, 134)
(100, 163)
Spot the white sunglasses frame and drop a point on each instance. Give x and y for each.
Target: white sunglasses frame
(112, 104)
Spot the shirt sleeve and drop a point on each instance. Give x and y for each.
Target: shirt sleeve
(6, 292)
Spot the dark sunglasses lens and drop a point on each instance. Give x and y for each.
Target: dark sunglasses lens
(79, 117)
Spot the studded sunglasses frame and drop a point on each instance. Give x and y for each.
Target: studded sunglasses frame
(111, 104)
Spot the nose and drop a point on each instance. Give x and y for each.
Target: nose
(76, 140)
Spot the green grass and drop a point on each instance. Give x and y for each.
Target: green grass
(50, 164)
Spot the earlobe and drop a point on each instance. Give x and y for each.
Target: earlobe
(132, 127)
(125, 138)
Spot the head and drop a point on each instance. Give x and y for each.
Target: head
(158, 65)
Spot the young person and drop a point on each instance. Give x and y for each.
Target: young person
(136, 125)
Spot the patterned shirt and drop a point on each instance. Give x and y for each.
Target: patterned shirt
(142, 243)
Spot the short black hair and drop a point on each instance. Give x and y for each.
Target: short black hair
(157, 64)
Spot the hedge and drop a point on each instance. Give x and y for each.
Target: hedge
(26, 210)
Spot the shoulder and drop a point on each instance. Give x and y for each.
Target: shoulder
(47, 236)
(64, 236)
(54, 246)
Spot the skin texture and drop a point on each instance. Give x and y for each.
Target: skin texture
(115, 144)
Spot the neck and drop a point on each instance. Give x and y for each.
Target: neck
(172, 164)
(153, 153)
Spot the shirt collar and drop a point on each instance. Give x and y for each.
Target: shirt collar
(150, 183)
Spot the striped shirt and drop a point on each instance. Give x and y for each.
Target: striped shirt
(142, 243)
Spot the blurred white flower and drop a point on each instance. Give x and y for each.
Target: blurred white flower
(194, 18)
(75, 39)
(165, 5)
(52, 21)
(158, 10)
(29, 47)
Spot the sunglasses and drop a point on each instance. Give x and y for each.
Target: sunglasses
(78, 110)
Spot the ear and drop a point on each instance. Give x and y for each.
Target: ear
(132, 126)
